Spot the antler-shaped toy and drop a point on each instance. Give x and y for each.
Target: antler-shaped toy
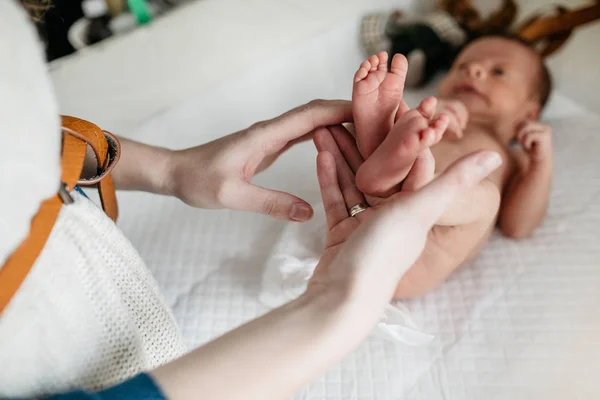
(552, 31)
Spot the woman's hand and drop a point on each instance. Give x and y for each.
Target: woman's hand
(219, 174)
(366, 255)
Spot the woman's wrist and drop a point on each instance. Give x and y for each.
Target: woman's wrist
(166, 179)
(344, 314)
(144, 167)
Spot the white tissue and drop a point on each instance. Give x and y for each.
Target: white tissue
(291, 264)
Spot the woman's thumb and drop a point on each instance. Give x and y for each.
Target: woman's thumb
(429, 203)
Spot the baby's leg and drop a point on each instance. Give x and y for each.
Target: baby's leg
(449, 247)
(376, 98)
(390, 163)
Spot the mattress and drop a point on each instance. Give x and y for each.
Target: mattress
(522, 321)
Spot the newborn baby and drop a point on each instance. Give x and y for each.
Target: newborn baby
(490, 100)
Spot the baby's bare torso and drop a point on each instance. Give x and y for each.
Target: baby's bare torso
(448, 150)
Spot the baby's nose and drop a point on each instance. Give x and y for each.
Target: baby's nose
(476, 71)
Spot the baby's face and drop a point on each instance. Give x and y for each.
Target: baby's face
(495, 78)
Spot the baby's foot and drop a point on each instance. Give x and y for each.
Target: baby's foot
(414, 132)
(376, 98)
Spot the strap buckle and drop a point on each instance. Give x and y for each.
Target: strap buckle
(64, 194)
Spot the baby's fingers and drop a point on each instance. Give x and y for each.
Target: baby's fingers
(440, 125)
(460, 112)
(454, 128)
(526, 131)
(529, 139)
(532, 126)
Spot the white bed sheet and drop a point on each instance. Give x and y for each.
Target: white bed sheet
(521, 322)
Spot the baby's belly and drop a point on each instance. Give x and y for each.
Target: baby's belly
(447, 151)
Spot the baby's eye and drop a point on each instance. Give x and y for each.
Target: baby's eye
(498, 71)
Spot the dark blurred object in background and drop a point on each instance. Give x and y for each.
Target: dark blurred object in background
(54, 27)
(69, 25)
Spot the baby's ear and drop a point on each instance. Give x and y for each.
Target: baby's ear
(532, 109)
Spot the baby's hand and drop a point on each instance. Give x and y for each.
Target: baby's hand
(536, 138)
(459, 116)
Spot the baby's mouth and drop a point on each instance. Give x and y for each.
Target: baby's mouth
(468, 89)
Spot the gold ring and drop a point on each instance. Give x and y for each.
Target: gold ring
(357, 209)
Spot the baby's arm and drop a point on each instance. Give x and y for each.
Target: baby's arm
(526, 197)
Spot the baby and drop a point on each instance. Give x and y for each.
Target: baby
(490, 99)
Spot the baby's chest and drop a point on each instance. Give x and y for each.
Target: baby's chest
(447, 151)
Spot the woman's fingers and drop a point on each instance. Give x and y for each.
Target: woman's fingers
(333, 200)
(346, 179)
(281, 205)
(347, 145)
(276, 133)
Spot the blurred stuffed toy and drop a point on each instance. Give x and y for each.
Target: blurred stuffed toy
(431, 42)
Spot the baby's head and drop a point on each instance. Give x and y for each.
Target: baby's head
(501, 80)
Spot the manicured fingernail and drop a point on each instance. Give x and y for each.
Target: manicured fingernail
(300, 212)
(488, 162)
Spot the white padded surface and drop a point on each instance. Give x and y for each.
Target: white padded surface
(521, 322)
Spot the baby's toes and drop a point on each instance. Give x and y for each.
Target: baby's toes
(427, 137)
(414, 118)
(382, 57)
(374, 62)
(361, 73)
(399, 66)
(427, 106)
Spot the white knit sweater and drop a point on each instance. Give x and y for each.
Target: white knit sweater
(89, 314)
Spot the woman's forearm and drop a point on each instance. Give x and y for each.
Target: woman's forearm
(143, 167)
(268, 358)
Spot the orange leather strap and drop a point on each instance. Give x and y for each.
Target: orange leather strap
(77, 134)
(98, 140)
(19, 264)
